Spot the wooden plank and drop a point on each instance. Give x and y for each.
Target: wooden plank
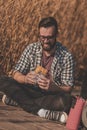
(12, 118)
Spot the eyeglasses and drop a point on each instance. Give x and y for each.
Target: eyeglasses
(46, 37)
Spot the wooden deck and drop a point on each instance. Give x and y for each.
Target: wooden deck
(14, 118)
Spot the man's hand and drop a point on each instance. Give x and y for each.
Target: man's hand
(31, 78)
(50, 85)
(43, 82)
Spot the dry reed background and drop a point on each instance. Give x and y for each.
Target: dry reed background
(19, 27)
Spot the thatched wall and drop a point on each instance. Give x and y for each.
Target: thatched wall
(18, 27)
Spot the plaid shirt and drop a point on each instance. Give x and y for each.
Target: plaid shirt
(62, 68)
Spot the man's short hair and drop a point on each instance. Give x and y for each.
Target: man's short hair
(48, 22)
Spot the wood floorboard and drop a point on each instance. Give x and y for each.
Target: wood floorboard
(14, 118)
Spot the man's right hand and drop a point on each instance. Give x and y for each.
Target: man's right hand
(31, 78)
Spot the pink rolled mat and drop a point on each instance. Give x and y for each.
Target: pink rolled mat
(74, 117)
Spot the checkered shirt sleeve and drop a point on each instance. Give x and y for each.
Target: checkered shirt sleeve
(67, 75)
(63, 67)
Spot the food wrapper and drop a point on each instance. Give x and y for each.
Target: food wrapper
(41, 70)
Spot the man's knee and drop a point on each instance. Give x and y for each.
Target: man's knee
(6, 83)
